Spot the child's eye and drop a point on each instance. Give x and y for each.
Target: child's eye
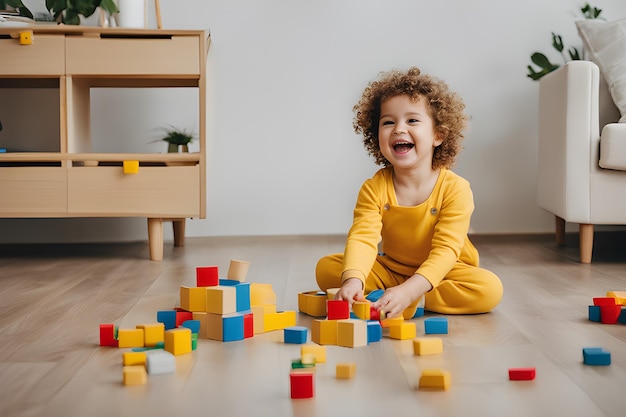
(387, 122)
(413, 121)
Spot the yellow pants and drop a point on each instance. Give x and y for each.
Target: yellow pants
(465, 290)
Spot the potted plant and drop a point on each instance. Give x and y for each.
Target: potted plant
(177, 139)
(69, 11)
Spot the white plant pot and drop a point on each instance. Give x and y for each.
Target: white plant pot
(132, 13)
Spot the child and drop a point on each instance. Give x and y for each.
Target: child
(415, 207)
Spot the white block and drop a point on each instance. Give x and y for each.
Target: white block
(160, 362)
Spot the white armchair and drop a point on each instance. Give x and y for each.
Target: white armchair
(581, 173)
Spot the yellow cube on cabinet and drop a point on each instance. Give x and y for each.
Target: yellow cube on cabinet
(131, 167)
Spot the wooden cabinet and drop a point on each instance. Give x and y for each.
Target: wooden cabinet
(68, 179)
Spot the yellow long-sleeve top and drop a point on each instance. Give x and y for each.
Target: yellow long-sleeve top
(427, 239)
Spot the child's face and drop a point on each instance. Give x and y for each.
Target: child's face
(406, 133)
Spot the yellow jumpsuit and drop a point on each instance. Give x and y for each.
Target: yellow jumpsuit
(429, 239)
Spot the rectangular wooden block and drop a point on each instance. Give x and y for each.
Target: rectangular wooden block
(403, 331)
(351, 333)
(435, 379)
(133, 358)
(436, 325)
(226, 328)
(522, 374)
(261, 294)
(130, 338)
(324, 332)
(312, 303)
(427, 345)
(134, 375)
(319, 352)
(279, 320)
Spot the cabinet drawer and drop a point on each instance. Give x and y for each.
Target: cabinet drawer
(33, 191)
(152, 192)
(45, 56)
(133, 55)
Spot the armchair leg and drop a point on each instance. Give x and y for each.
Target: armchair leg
(560, 230)
(586, 242)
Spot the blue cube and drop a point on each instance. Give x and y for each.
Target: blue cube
(594, 313)
(193, 325)
(295, 334)
(436, 325)
(374, 331)
(232, 327)
(596, 356)
(242, 293)
(168, 318)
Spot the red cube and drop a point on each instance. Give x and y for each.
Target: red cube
(522, 374)
(248, 325)
(302, 384)
(337, 309)
(207, 276)
(107, 335)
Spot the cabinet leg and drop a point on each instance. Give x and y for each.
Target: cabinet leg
(586, 242)
(560, 231)
(179, 231)
(155, 239)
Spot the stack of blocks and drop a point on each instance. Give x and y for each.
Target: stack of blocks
(609, 309)
(341, 330)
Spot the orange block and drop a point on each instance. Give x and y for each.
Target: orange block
(324, 332)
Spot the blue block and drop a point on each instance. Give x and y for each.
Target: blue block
(242, 291)
(375, 295)
(232, 327)
(419, 312)
(168, 318)
(193, 325)
(3, 150)
(596, 356)
(436, 325)
(374, 331)
(295, 334)
(622, 316)
(594, 313)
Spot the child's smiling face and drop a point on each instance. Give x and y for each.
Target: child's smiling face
(406, 132)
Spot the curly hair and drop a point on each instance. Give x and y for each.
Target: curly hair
(446, 108)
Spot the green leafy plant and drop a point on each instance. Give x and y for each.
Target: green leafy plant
(544, 63)
(176, 138)
(18, 6)
(69, 11)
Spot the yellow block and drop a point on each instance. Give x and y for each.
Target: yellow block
(319, 352)
(153, 333)
(324, 332)
(345, 370)
(331, 292)
(131, 167)
(351, 333)
(134, 358)
(312, 303)
(178, 341)
(201, 316)
(193, 298)
(620, 296)
(279, 320)
(261, 294)
(129, 338)
(362, 309)
(435, 379)
(392, 322)
(427, 345)
(135, 375)
(403, 331)
(221, 299)
(26, 37)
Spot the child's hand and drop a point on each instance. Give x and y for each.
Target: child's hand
(396, 299)
(351, 290)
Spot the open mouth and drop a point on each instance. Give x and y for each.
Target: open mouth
(403, 147)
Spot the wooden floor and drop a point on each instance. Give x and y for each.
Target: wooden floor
(54, 297)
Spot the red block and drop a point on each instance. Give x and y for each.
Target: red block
(248, 325)
(374, 313)
(207, 276)
(182, 316)
(107, 335)
(522, 374)
(604, 301)
(610, 313)
(302, 385)
(337, 309)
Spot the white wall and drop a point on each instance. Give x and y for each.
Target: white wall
(282, 155)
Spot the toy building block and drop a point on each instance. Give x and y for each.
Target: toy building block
(207, 276)
(620, 297)
(129, 338)
(362, 309)
(596, 356)
(182, 316)
(609, 314)
(242, 291)
(300, 364)
(153, 333)
(308, 359)
(107, 335)
(134, 375)
(594, 313)
(319, 352)
(374, 331)
(436, 325)
(393, 321)
(26, 37)
(435, 379)
(159, 345)
(295, 334)
(351, 333)
(279, 320)
(134, 358)
(604, 301)
(193, 298)
(130, 167)
(160, 362)
(194, 341)
(261, 294)
(312, 303)
(522, 374)
(258, 319)
(226, 328)
(221, 300)
(237, 270)
(178, 341)
(248, 324)
(302, 384)
(324, 332)
(168, 318)
(622, 316)
(374, 314)
(427, 345)
(193, 325)
(201, 317)
(331, 293)
(403, 331)
(374, 295)
(337, 309)
(345, 370)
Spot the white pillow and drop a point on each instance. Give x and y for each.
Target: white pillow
(606, 44)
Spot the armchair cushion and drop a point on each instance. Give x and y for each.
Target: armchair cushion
(606, 44)
(613, 147)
